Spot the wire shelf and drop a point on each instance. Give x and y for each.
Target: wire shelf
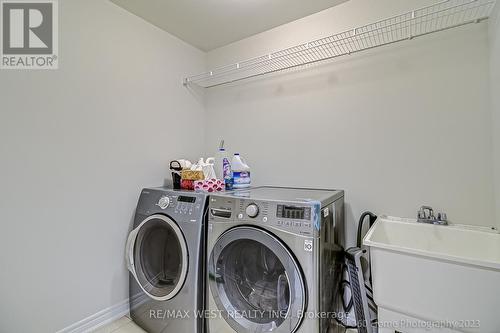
(438, 17)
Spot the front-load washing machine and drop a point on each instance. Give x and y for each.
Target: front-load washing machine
(165, 257)
(274, 260)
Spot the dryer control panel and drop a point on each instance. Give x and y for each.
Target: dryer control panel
(170, 202)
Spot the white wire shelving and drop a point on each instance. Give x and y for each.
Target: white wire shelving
(438, 17)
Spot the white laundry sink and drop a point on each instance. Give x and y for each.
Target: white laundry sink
(430, 278)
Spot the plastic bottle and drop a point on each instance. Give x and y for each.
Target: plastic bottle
(223, 168)
(241, 172)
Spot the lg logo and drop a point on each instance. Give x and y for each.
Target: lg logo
(29, 28)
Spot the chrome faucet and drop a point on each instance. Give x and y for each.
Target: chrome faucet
(426, 215)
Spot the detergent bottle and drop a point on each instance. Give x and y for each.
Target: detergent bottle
(241, 172)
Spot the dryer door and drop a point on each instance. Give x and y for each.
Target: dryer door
(157, 257)
(256, 282)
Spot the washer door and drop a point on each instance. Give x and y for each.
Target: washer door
(157, 257)
(256, 282)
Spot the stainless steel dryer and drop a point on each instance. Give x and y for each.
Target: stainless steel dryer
(165, 257)
(274, 260)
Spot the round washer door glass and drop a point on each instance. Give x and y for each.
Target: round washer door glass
(256, 282)
(160, 257)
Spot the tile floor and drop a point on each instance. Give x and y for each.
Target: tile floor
(122, 325)
(126, 325)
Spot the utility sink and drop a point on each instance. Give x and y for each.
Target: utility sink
(433, 278)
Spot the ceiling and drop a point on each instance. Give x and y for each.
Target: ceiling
(209, 24)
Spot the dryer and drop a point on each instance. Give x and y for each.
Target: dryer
(165, 258)
(274, 260)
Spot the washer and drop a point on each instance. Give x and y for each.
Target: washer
(165, 257)
(274, 261)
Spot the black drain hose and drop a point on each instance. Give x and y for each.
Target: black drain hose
(346, 283)
(373, 218)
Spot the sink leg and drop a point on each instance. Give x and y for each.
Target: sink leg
(386, 330)
(386, 322)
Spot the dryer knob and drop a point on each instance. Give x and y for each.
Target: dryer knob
(252, 210)
(163, 202)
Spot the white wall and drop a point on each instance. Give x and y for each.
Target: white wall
(495, 101)
(76, 146)
(396, 127)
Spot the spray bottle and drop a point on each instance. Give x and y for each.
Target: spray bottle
(223, 167)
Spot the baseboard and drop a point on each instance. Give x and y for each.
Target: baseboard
(99, 319)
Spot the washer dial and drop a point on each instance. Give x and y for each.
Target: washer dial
(252, 210)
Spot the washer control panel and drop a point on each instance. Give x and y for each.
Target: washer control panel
(295, 218)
